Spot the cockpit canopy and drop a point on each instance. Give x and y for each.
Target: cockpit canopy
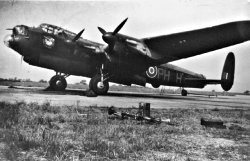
(55, 30)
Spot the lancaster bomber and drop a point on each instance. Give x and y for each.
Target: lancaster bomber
(126, 60)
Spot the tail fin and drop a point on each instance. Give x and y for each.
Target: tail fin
(227, 76)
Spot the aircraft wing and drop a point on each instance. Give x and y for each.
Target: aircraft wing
(177, 46)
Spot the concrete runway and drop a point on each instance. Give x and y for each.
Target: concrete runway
(120, 99)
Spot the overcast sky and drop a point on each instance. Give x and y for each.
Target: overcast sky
(147, 18)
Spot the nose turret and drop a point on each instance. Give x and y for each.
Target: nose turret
(8, 40)
(18, 39)
(12, 41)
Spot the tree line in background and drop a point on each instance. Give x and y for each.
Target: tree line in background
(15, 79)
(247, 92)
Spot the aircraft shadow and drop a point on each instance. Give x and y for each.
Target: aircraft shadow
(83, 92)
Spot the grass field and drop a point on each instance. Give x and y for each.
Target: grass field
(45, 132)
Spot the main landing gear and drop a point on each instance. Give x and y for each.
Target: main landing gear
(98, 86)
(58, 82)
(184, 92)
(99, 83)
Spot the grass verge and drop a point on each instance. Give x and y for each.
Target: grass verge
(45, 132)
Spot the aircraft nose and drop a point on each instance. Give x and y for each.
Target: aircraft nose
(8, 39)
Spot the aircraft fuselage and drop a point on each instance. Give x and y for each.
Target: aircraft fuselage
(126, 60)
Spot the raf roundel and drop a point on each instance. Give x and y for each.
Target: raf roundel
(152, 72)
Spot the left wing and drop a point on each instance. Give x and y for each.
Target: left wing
(191, 43)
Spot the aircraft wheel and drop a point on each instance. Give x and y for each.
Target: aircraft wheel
(97, 87)
(58, 83)
(184, 92)
(155, 85)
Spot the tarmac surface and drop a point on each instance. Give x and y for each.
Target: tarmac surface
(72, 97)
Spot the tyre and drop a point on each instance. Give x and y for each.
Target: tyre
(183, 92)
(58, 83)
(97, 87)
(155, 85)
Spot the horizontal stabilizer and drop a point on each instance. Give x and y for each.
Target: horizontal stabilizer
(203, 81)
(200, 83)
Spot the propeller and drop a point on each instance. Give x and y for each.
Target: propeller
(109, 37)
(78, 35)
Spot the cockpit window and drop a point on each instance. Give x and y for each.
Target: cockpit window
(55, 30)
(47, 28)
(50, 30)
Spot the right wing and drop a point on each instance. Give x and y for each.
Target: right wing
(177, 46)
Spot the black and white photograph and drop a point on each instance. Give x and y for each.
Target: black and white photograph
(124, 80)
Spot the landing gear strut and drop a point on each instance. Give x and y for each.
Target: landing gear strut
(58, 82)
(99, 83)
(184, 92)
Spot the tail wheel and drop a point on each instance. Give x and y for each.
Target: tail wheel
(184, 92)
(58, 83)
(96, 85)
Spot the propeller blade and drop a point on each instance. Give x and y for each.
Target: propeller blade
(22, 60)
(9, 29)
(101, 30)
(78, 36)
(118, 28)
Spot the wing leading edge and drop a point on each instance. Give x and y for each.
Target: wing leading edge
(191, 43)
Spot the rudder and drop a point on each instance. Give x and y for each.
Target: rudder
(227, 76)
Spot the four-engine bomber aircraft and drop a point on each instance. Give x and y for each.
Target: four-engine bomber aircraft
(126, 60)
